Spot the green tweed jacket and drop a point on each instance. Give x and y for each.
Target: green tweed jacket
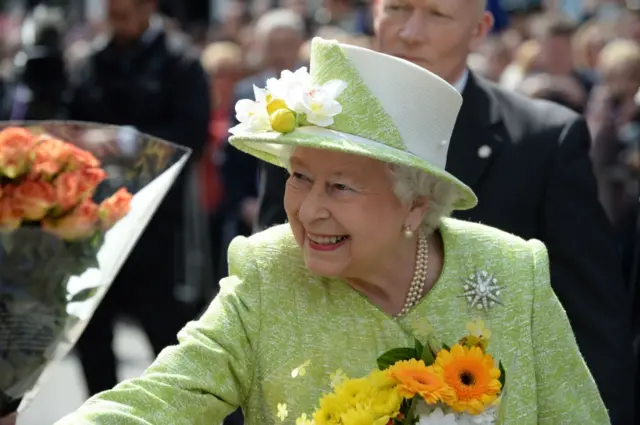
(274, 336)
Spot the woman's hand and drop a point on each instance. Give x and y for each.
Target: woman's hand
(9, 420)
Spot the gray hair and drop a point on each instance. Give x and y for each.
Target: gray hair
(277, 19)
(408, 185)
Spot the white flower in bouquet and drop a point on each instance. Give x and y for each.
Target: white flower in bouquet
(437, 417)
(488, 417)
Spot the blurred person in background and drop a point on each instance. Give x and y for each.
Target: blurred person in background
(613, 108)
(588, 41)
(280, 34)
(525, 62)
(528, 162)
(563, 90)
(223, 62)
(498, 57)
(38, 80)
(555, 35)
(143, 76)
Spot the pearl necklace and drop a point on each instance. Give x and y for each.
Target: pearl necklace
(419, 276)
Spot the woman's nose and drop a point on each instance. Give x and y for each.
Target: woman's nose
(313, 206)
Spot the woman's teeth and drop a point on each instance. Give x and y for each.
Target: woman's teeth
(327, 240)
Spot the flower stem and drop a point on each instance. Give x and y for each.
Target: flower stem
(409, 419)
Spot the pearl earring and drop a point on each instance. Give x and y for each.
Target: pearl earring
(408, 233)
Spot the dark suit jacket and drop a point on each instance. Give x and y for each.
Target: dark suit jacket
(537, 182)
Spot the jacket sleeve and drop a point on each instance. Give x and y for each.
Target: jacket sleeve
(586, 270)
(567, 393)
(206, 376)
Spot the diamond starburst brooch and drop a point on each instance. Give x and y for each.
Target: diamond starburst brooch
(481, 290)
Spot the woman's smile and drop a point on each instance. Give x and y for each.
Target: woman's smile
(326, 242)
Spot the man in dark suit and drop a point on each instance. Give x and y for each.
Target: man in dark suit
(146, 77)
(528, 162)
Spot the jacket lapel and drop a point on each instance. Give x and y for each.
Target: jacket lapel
(475, 142)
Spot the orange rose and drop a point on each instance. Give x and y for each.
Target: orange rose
(49, 156)
(114, 208)
(35, 198)
(68, 190)
(80, 223)
(15, 146)
(10, 214)
(81, 159)
(90, 178)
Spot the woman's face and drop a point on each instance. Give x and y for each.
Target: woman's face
(344, 213)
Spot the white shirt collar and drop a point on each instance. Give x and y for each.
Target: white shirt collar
(462, 81)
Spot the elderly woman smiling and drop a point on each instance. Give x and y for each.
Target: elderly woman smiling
(368, 262)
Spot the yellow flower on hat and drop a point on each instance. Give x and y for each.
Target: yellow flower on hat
(283, 121)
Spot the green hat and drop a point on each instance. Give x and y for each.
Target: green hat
(359, 102)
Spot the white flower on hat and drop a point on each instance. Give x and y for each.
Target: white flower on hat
(319, 103)
(252, 115)
(290, 85)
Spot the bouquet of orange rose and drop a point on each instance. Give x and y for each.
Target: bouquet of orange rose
(59, 215)
(429, 384)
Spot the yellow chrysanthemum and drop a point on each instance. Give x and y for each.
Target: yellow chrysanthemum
(472, 375)
(415, 377)
(373, 399)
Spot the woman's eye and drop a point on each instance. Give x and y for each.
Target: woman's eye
(342, 187)
(298, 176)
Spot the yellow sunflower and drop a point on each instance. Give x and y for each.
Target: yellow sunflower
(414, 377)
(472, 375)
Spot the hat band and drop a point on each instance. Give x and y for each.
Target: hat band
(339, 135)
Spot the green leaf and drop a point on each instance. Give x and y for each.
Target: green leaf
(434, 345)
(503, 374)
(446, 347)
(419, 349)
(428, 357)
(395, 355)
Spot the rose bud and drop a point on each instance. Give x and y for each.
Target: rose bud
(114, 208)
(49, 157)
(16, 144)
(35, 198)
(81, 159)
(79, 223)
(10, 214)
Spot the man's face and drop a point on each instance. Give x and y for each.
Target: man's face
(556, 55)
(434, 34)
(128, 19)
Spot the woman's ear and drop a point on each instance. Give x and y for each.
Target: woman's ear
(419, 208)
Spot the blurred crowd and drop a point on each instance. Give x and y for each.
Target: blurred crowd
(582, 54)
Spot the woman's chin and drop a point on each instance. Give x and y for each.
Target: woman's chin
(324, 267)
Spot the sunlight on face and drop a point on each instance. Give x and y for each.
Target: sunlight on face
(435, 34)
(343, 211)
